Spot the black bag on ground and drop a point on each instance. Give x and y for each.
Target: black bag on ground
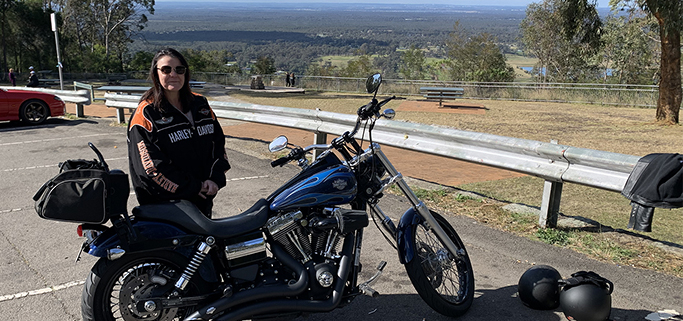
(83, 192)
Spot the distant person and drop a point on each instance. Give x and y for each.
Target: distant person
(32, 80)
(12, 77)
(293, 80)
(287, 80)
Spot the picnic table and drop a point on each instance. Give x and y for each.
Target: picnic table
(441, 93)
(124, 90)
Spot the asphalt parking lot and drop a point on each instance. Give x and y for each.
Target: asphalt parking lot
(39, 279)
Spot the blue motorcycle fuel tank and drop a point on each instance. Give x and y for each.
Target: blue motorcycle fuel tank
(331, 186)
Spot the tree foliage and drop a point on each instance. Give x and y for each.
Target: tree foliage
(264, 66)
(476, 57)
(412, 63)
(565, 36)
(360, 67)
(630, 54)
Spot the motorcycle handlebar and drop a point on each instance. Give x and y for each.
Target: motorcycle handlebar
(279, 162)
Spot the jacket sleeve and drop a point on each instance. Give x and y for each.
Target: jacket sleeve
(153, 170)
(220, 163)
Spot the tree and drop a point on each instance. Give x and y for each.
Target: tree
(264, 65)
(565, 36)
(476, 57)
(388, 65)
(141, 61)
(109, 24)
(5, 6)
(630, 51)
(669, 17)
(360, 67)
(412, 63)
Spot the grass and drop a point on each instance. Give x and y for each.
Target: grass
(623, 130)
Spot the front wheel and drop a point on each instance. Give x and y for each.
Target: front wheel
(34, 112)
(113, 287)
(443, 280)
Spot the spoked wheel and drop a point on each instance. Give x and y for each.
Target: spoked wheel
(443, 280)
(113, 288)
(34, 112)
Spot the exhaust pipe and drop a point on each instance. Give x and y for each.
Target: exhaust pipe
(292, 289)
(301, 305)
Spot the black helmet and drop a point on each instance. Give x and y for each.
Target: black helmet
(586, 296)
(539, 287)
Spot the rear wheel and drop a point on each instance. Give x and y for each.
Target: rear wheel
(113, 287)
(443, 280)
(34, 112)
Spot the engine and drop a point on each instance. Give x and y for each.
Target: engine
(313, 238)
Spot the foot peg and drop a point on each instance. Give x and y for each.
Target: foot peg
(365, 286)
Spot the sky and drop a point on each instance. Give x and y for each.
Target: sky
(524, 3)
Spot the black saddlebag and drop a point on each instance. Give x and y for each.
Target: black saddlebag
(83, 192)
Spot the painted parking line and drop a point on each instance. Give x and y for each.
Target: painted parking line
(51, 165)
(50, 140)
(247, 178)
(40, 291)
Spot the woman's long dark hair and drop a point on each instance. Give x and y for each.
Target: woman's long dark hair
(156, 93)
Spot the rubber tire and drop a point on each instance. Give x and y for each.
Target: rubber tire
(34, 112)
(423, 286)
(97, 285)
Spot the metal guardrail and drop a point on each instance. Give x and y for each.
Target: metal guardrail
(553, 162)
(78, 97)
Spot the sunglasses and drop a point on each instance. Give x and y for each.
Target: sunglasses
(180, 70)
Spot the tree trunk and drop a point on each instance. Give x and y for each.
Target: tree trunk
(669, 103)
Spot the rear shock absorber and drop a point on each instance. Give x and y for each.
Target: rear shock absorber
(202, 250)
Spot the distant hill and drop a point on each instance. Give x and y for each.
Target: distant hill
(297, 34)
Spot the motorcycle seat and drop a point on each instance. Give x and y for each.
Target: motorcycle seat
(184, 214)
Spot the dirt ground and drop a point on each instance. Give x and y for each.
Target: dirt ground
(425, 167)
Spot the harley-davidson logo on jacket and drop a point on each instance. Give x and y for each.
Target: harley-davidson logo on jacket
(170, 156)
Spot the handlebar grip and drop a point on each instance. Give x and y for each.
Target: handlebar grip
(279, 162)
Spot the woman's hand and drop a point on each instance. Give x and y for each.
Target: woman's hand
(208, 188)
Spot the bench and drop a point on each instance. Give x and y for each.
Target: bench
(48, 82)
(197, 84)
(115, 79)
(441, 93)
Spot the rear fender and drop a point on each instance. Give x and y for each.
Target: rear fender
(404, 235)
(150, 236)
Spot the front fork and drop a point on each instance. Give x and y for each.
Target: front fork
(419, 206)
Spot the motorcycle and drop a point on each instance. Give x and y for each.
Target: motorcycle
(296, 251)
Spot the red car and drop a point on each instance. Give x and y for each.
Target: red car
(31, 107)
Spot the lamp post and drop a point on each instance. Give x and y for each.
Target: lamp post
(53, 20)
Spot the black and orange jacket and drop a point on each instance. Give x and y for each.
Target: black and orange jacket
(170, 157)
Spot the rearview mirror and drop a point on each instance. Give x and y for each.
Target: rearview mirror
(278, 144)
(372, 84)
(389, 114)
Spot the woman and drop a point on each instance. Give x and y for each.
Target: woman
(175, 143)
(12, 77)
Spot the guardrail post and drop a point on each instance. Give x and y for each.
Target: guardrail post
(318, 138)
(120, 115)
(79, 111)
(550, 205)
